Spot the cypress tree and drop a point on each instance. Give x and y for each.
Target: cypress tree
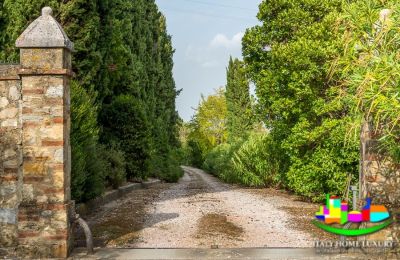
(123, 59)
(17, 15)
(239, 114)
(81, 20)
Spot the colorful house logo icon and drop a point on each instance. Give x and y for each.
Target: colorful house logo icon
(337, 211)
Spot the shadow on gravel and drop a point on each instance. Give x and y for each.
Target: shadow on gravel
(119, 223)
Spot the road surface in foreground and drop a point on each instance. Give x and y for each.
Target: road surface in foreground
(200, 211)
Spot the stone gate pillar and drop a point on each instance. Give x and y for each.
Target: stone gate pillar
(380, 180)
(43, 218)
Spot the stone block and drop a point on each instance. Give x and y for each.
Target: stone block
(58, 179)
(42, 58)
(55, 132)
(36, 168)
(8, 113)
(58, 156)
(12, 123)
(3, 102)
(52, 143)
(9, 153)
(8, 216)
(10, 201)
(32, 118)
(56, 197)
(55, 91)
(37, 153)
(8, 235)
(32, 102)
(57, 111)
(8, 189)
(12, 163)
(14, 93)
(27, 193)
(30, 137)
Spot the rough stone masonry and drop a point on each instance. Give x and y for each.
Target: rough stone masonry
(379, 179)
(35, 150)
(10, 153)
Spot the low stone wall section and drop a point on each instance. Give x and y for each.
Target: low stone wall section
(84, 209)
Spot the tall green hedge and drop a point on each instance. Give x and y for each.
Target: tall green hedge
(290, 58)
(123, 65)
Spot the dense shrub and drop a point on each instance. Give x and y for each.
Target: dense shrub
(321, 158)
(115, 167)
(196, 154)
(167, 167)
(295, 98)
(125, 125)
(87, 167)
(370, 70)
(173, 172)
(218, 161)
(252, 162)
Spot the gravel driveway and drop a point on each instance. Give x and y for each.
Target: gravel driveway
(200, 211)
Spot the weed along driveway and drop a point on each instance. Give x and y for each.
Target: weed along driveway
(202, 212)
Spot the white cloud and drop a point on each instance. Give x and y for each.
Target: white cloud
(216, 53)
(221, 40)
(210, 64)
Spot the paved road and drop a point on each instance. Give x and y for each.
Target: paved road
(200, 211)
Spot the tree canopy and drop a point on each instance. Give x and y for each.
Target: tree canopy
(123, 86)
(240, 115)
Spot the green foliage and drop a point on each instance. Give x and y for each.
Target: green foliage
(251, 162)
(125, 125)
(290, 59)
(137, 88)
(321, 70)
(168, 169)
(369, 69)
(255, 164)
(207, 128)
(123, 57)
(195, 151)
(323, 169)
(211, 118)
(87, 167)
(115, 166)
(218, 161)
(239, 108)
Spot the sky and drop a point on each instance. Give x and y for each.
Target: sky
(204, 34)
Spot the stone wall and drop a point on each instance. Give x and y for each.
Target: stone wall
(380, 177)
(35, 153)
(380, 180)
(10, 153)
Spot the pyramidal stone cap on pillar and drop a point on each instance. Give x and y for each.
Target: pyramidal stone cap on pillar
(44, 32)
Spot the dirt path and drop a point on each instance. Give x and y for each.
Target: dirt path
(202, 212)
